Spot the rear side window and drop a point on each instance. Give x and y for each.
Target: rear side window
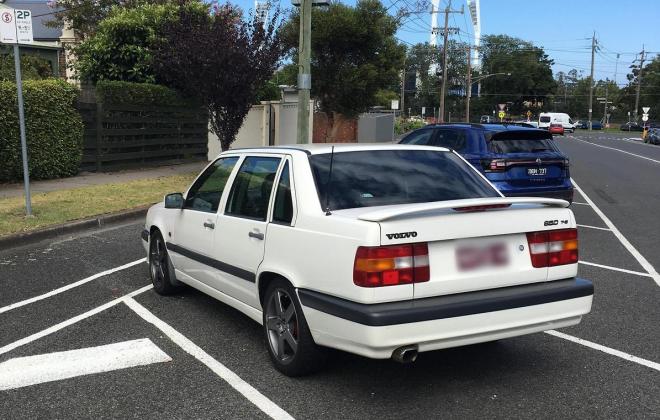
(283, 209)
(544, 119)
(250, 193)
(451, 139)
(422, 137)
(386, 177)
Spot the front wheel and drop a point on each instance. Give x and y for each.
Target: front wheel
(160, 267)
(289, 342)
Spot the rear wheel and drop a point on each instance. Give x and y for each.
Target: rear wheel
(160, 266)
(289, 342)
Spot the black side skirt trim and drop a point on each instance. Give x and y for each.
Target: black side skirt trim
(219, 265)
(449, 306)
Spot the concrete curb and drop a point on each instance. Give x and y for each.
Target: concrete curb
(96, 222)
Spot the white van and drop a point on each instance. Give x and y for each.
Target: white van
(545, 118)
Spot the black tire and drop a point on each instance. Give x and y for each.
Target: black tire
(287, 325)
(161, 269)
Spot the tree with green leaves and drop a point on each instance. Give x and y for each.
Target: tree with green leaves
(355, 55)
(122, 46)
(531, 72)
(221, 59)
(32, 67)
(85, 16)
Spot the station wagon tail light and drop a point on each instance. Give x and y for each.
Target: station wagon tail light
(495, 165)
(553, 247)
(391, 265)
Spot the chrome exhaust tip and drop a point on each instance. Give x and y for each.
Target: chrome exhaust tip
(405, 354)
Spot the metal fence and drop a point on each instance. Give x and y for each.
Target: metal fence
(119, 136)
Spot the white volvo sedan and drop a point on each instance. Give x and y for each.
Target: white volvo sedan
(381, 250)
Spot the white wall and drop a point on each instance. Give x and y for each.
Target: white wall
(256, 128)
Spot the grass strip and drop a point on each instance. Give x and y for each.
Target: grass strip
(57, 207)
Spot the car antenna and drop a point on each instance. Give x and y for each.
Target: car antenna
(329, 184)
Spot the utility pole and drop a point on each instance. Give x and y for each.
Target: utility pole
(639, 80)
(304, 72)
(616, 67)
(445, 34)
(468, 93)
(591, 78)
(403, 85)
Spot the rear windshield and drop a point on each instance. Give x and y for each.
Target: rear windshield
(544, 119)
(386, 177)
(530, 141)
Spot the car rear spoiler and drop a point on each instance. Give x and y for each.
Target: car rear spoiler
(471, 204)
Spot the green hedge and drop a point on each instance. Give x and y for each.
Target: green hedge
(54, 130)
(116, 92)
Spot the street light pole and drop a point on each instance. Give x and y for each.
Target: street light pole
(304, 72)
(469, 85)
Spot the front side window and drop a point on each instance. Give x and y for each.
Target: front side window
(387, 177)
(205, 193)
(250, 193)
(283, 208)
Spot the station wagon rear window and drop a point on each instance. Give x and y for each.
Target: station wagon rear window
(532, 141)
(387, 177)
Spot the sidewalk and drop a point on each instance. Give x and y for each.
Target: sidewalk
(93, 178)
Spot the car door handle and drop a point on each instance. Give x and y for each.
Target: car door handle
(209, 225)
(256, 235)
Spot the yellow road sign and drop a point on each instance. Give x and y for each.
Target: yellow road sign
(501, 114)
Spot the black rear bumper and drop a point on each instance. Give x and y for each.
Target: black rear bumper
(450, 306)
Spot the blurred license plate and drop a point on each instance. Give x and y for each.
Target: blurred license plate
(537, 171)
(472, 257)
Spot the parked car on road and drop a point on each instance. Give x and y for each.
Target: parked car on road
(631, 126)
(653, 136)
(519, 161)
(556, 128)
(381, 250)
(595, 125)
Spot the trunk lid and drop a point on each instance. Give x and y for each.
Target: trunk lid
(493, 239)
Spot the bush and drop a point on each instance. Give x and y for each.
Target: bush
(403, 126)
(115, 92)
(32, 67)
(53, 126)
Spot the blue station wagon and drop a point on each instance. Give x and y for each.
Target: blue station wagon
(519, 161)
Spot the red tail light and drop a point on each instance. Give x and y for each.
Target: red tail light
(391, 265)
(481, 208)
(553, 247)
(496, 165)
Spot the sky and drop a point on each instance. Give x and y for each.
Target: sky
(563, 27)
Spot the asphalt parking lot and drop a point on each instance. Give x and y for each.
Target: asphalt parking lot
(133, 354)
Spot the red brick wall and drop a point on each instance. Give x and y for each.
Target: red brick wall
(346, 133)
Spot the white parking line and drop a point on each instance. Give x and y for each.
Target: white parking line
(249, 392)
(582, 204)
(619, 150)
(70, 286)
(593, 227)
(609, 267)
(70, 321)
(613, 352)
(33, 370)
(639, 257)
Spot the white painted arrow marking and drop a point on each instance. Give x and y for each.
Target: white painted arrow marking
(32, 370)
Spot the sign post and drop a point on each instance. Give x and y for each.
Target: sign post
(16, 27)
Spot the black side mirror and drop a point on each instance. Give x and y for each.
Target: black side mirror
(174, 201)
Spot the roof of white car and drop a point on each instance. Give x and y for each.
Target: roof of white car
(321, 148)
